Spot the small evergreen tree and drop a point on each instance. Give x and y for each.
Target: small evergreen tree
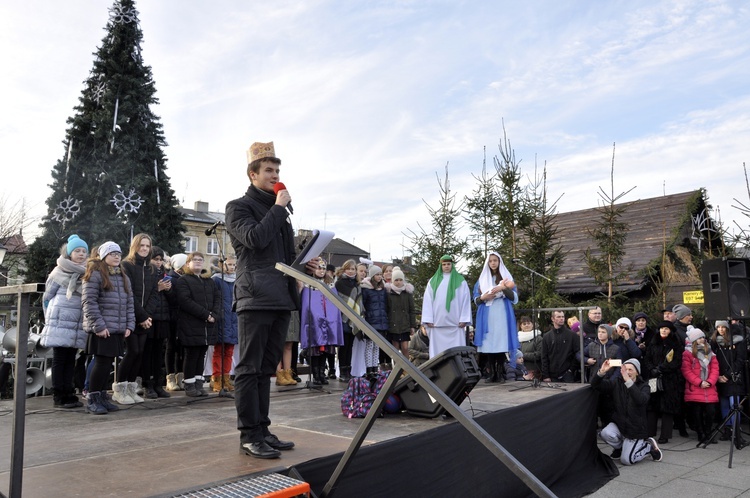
(480, 213)
(540, 250)
(111, 181)
(513, 215)
(427, 247)
(605, 265)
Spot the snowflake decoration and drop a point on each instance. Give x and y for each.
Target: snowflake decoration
(66, 210)
(118, 14)
(98, 91)
(701, 224)
(129, 202)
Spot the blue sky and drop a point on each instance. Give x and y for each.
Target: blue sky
(367, 101)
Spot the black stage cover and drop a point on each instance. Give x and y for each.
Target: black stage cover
(555, 438)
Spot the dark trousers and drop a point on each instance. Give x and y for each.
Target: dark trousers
(153, 359)
(130, 365)
(262, 335)
(173, 356)
(195, 359)
(345, 351)
(63, 367)
(99, 376)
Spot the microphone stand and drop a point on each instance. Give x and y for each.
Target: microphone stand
(535, 383)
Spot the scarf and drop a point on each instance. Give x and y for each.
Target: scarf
(395, 289)
(454, 283)
(67, 274)
(114, 270)
(486, 280)
(704, 359)
(229, 277)
(526, 336)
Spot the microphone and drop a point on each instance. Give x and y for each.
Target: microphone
(280, 186)
(212, 229)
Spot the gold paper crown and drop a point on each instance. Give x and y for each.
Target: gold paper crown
(260, 150)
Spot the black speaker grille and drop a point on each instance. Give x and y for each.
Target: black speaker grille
(739, 298)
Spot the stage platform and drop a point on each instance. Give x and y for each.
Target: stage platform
(165, 446)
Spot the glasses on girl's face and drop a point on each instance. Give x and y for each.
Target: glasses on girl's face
(197, 260)
(623, 327)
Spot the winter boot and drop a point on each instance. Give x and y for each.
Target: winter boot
(180, 380)
(121, 395)
(346, 374)
(215, 383)
(500, 369)
(172, 383)
(317, 376)
(158, 387)
(191, 391)
(228, 385)
(199, 380)
(293, 375)
(149, 389)
(492, 376)
(139, 385)
(64, 400)
(284, 378)
(106, 403)
(94, 405)
(72, 399)
(131, 390)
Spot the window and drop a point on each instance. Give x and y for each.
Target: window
(212, 247)
(191, 244)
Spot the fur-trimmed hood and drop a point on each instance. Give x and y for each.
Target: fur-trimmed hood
(408, 287)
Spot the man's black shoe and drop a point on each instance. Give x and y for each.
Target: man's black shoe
(259, 450)
(277, 444)
(616, 454)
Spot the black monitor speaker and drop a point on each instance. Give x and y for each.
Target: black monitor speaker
(454, 371)
(726, 288)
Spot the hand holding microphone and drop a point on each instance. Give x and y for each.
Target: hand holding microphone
(282, 196)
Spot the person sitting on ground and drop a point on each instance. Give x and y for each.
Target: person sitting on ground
(628, 432)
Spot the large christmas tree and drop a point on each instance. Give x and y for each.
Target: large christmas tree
(111, 181)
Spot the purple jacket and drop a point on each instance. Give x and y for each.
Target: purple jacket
(320, 320)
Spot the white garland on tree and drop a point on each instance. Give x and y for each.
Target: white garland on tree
(129, 202)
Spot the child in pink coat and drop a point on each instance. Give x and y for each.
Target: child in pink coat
(701, 372)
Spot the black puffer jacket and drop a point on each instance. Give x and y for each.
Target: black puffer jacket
(731, 358)
(630, 404)
(198, 299)
(261, 236)
(107, 309)
(143, 276)
(663, 358)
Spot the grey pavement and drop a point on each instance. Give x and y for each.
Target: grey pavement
(163, 446)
